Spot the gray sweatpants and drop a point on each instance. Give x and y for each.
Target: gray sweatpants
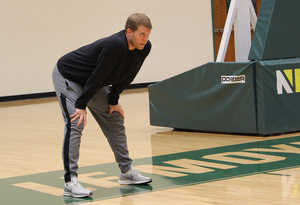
(112, 125)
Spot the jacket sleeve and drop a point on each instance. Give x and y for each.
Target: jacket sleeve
(118, 88)
(109, 56)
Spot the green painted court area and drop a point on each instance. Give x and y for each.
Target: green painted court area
(167, 172)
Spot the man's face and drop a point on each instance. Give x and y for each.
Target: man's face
(139, 38)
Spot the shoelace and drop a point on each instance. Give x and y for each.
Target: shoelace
(136, 171)
(77, 184)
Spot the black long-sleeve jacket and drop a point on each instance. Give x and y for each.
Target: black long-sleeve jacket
(107, 61)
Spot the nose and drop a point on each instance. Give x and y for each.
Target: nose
(145, 39)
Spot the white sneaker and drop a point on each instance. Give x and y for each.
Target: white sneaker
(75, 189)
(133, 176)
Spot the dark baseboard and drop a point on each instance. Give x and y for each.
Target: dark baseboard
(27, 96)
(139, 85)
(52, 94)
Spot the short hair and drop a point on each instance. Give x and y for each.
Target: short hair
(137, 19)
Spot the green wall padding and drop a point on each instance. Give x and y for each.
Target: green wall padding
(277, 31)
(278, 113)
(197, 100)
(266, 104)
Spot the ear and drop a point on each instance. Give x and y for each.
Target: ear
(128, 31)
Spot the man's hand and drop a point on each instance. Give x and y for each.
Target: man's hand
(116, 108)
(81, 114)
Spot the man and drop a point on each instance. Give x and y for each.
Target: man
(81, 79)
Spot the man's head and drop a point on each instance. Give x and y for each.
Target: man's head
(138, 28)
(137, 19)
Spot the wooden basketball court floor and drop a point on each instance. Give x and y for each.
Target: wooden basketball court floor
(186, 167)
